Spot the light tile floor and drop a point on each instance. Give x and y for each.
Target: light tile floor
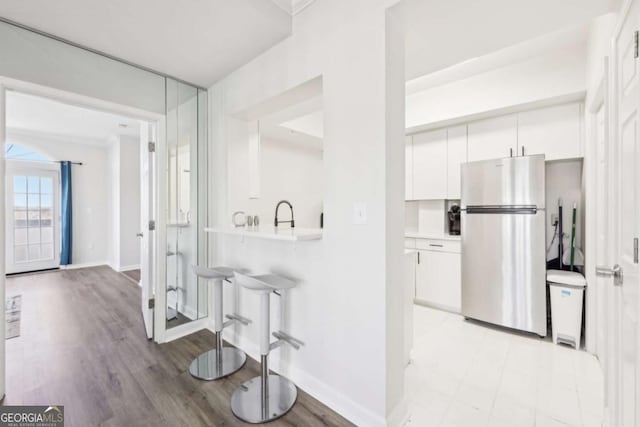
(466, 374)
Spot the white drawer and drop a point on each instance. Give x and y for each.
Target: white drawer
(452, 246)
(409, 243)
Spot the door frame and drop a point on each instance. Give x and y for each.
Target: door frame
(10, 84)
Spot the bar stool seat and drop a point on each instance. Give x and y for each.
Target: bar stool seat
(268, 396)
(220, 361)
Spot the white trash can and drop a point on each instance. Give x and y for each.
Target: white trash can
(567, 294)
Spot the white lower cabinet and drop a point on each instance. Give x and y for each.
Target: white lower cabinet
(438, 281)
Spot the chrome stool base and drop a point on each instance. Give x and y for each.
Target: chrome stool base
(247, 403)
(208, 366)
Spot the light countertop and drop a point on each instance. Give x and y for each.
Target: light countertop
(271, 233)
(435, 236)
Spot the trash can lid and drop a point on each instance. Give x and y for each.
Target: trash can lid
(563, 277)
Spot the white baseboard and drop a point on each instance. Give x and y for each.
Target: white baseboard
(84, 265)
(129, 267)
(329, 396)
(189, 328)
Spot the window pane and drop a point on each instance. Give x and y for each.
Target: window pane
(34, 201)
(20, 253)
(19, 184)
(33, 184)
(47, 234)
(34, 235)
(46, 186)
(46, 217)
(46, 200)
(19, 218)
(34, 218)
(47, 251)
(34, 252)
(20, 236)
(20, 200)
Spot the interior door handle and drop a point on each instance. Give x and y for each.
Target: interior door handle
(615, 272)
(139, 234)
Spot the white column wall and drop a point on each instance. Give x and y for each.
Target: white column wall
(345, 307)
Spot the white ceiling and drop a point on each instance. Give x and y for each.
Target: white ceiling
(441, 34)
(199, 41)
(43, 117)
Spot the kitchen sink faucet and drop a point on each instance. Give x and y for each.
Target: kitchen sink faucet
(276, 222)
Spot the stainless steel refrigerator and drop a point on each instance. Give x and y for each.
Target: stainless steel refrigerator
(503, 242)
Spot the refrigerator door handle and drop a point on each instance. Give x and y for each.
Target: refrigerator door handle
(508, 210)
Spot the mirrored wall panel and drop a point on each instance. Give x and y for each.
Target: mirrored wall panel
(186, 199)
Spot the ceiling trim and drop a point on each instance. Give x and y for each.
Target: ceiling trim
(97, 52)
(293, 7)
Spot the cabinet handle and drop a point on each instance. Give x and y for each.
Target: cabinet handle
(510, 152)
(435, 246)
(418, 257)
(523, 150)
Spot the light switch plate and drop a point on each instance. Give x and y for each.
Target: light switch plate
(359, 213)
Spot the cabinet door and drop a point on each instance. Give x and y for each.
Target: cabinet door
(492, 138)
(456, 156)
(554, 132)
(438, 280)
(430, 165)
(408, 168)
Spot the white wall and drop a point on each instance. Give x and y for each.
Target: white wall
(129, 202)
(289, 171)
(124, 202)
(91, 209)
(560, 73)
(346, 307)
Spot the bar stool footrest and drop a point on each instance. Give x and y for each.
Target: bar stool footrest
(235, 318)
(284, 337)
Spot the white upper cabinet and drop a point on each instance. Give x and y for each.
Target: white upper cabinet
(553, 131)
(493, 138)
(456, 156)
(430, 165)
(408, 165)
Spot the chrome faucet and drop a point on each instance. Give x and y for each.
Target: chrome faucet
(276, 222)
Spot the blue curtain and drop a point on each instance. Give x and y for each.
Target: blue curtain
(66, 212)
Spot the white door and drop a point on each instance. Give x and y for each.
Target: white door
(32, 217)
(552, 131)
(492, 138)
(147, 214)
(626, 162)
(408, 168)
(430, 165)
(456, 156)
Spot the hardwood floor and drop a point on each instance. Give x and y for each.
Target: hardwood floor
(82, 345)
(133, 274)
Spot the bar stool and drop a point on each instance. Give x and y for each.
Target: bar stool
(266, 397)
(221, 361)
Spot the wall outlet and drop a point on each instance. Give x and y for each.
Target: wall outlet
(554, 219)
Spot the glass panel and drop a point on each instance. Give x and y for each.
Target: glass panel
(34, 218)
(20, 217)
(47, 251)
(47, 234)
(20, 236)
(34, 235)
(20, 200)
(20, 253)
(34, 201)
(33, 185)
(46, 200)
(186, 127)
(46, 185)
(19, 184)
(34, 252)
